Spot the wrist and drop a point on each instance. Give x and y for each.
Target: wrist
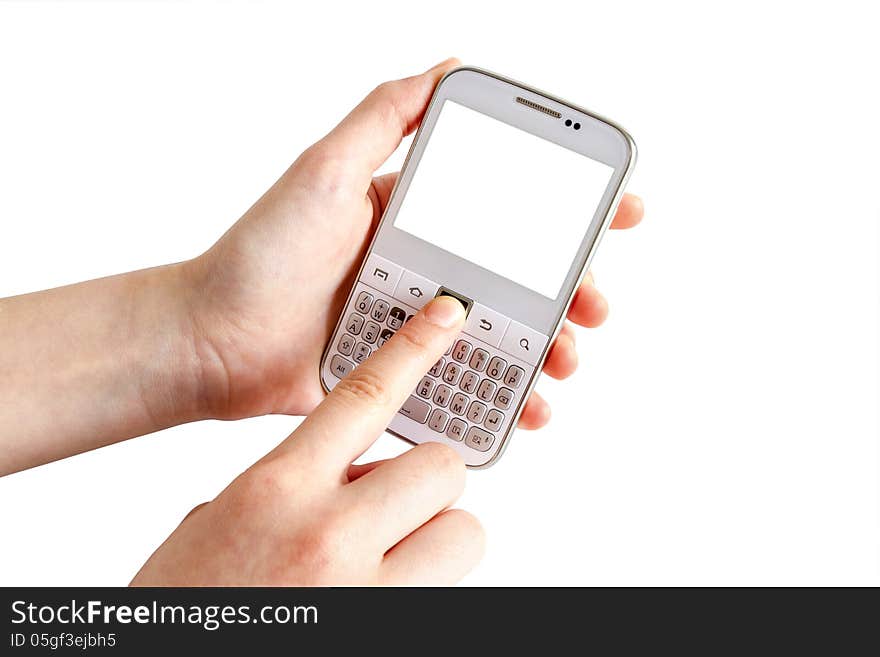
(176, 384)
(243, 361)
(204, 377)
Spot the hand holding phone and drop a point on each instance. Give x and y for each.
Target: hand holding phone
(269, 294)
(239, 331)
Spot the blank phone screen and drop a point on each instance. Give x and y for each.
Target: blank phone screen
(501, 197)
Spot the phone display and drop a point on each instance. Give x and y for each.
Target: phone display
(496, 195)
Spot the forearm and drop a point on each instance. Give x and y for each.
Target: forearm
(91, 364)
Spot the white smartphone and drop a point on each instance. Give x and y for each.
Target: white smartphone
(501, 202)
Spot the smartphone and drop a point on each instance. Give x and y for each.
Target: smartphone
(501, 202)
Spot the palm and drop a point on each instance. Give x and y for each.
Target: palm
(277, 282)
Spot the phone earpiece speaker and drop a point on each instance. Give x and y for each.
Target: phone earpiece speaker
(540, 108)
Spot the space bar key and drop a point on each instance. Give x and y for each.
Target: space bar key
(415, 409)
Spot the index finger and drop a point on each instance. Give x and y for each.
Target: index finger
(362, 404)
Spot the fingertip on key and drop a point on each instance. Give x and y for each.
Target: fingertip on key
(445, 312)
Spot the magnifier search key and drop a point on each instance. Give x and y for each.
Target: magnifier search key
(523, 342)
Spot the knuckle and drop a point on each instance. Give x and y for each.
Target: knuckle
(194, 510)
(318, 158)
(364, 386)
(384, 89)
(259, 485)
(321, 544)
(387, 91)
(325, 170)
(387, 96)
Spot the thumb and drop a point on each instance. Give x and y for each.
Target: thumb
(370, 133)
(362, 404)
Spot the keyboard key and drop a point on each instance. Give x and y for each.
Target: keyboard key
(381, 274)
(486, 390)
(476, 412)
(452, 373)
(425, 387)
(456, 429)
(478, 439)
(384, 337)
(461, 351)
(396, 318)
(380, 310)
(442, 395)
(458, 403)
(415, 290)
(479, 360)
(523, 342)
(438, 420)
(514, 376)
(364, 300)
(437, 367)
(493, 420)
(371, 332)
(486, 325)
(415, 409)
(504, 398)
(361, 353)
(469, 382)
(341, 367)
(345, 344)
(354, 324)
(496, 367)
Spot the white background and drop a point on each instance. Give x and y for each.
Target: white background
(723, 427)
(502, 177)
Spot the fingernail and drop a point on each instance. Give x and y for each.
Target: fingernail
(444, 312)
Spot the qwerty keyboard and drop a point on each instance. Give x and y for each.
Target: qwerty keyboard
(472, 393)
